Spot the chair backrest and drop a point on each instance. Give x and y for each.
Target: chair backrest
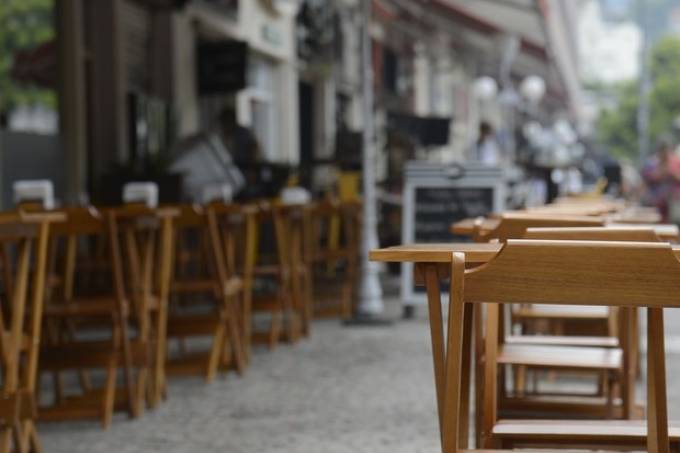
(233, 235)
(629, 274)
(627, 234)
(569, 273)
(513, 226)
(142, 243)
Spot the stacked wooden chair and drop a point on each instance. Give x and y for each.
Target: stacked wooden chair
(211, 288)
(332, 252)
(23, 247)
(626, 275)
(112, 316)
(283, 276)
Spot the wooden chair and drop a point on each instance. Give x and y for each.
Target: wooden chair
(332, 251)
(24, 243)
(210, 297)
(113, 319)
(577, 320)
(558, 272)
(289, 304)
(611, 359)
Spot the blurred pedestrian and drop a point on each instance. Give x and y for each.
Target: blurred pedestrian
(487, 150)
(239, 140)
(661, 174)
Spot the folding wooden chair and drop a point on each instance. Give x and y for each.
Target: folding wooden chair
(210, 297)
(611, 359)
(622, 321)
(283, 275)
(564, 320)
(235, 227)
(114, 318)
(563, 273)
(24, 242)
(332, 251)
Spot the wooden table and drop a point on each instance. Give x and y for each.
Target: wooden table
(424, 254)
(466, 227)
(432, 266)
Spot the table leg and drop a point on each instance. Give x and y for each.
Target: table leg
(432, 285)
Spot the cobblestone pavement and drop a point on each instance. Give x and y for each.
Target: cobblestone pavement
(347, 389)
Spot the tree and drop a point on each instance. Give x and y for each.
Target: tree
(24, 24)
(617, 128)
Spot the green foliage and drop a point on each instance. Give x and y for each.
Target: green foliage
(617, 128)
(24, 24)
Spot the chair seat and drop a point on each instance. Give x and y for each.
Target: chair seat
(569, 357)
(87, 354)
(577, 430)
(186, 325)
(193, 286)
(96, 306)
(560, 340)
(330, 255)
(539, 311)
(568, 406)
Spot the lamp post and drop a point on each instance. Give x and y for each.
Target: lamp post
(370, 292)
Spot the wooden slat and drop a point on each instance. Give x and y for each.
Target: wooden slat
(563, 357)
(557, 340)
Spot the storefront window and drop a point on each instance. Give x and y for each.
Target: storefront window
(263, 104)
(28, 66)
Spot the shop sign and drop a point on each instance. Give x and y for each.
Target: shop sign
(272, 34)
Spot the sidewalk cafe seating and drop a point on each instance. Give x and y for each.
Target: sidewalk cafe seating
(23, 245)
(209, 299)
(332, 253)
(558, 272)
(114, 317)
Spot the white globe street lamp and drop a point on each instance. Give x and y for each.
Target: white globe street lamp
(533, 89)
(485, 88)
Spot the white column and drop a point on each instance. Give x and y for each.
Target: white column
(184, 61)
(371, 303)
(423, 85)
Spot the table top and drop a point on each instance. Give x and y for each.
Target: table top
(475, 253)
(466, 227)
(436, 253)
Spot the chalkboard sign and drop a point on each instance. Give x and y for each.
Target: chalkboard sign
(436, 208)
(436, 196)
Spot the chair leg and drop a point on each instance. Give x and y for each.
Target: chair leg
(141, 390)
(109, 399)
(30, 443)
(236, 344)
(34, 441)
(308, 300)
(520, 379)
(215, 351)
(275, 329)
(6, 440)
(58, 382)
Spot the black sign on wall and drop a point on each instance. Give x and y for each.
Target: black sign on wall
(436, 208)
(222, 67)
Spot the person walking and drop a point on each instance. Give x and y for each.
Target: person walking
(661, 174)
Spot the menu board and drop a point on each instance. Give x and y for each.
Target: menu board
(437, 208)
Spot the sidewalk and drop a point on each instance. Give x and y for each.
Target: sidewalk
(346, 390)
